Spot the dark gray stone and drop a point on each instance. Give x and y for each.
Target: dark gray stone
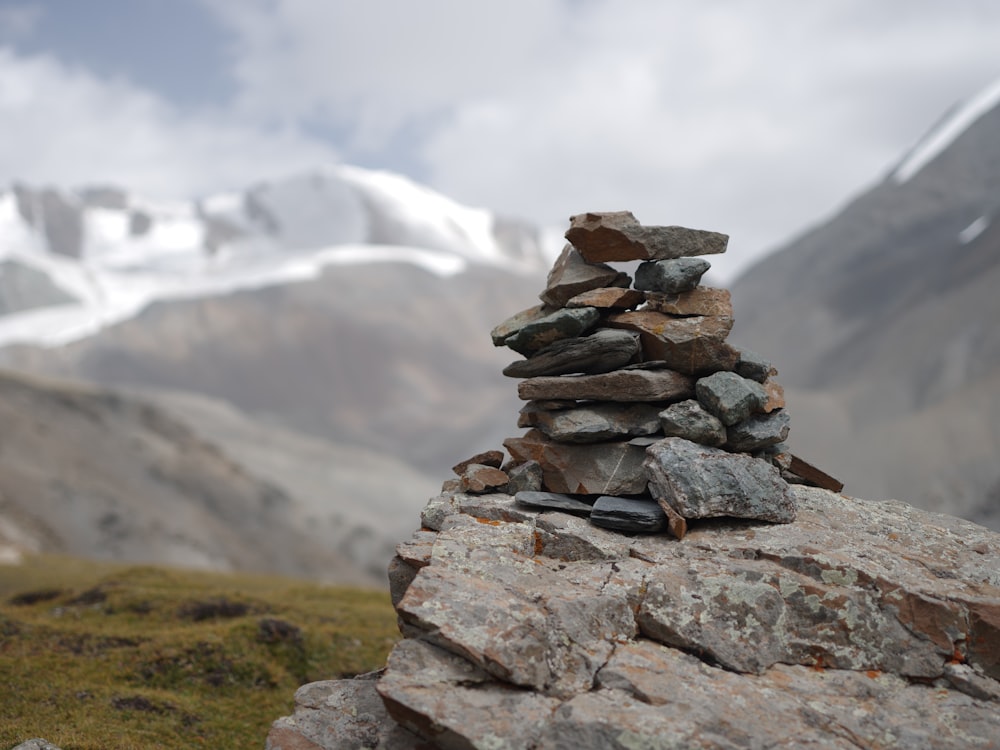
(670, 276)
(553, 501)
(620, 385)
(525, 477)
(572, 275)
(730, 397)
(628, 514)
(562, 324)
(758, 432)
(698, 481)
(689, 420)
(594, 423)
(753, 366)
(518, 321)
(602, 351)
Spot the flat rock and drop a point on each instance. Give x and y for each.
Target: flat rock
(572, 275)
(492, 458)
(517, 321)
(594, 422)
(698, 481)
(693, 346)
(689, 420)
(670, 276)
(561, 324)
(621, 385)
(602, 351)
(618, 236)
(730, 397)
(478, 478)
(613, 468)
(700, 301)
(553, 501)
(628, 514)
(759, 431)
(608, 298)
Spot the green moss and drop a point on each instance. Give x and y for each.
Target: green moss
(101, 656)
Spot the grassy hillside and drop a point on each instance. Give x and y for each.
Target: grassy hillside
(101, 657)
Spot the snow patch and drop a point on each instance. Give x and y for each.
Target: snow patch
(974, 229)
(941, 136)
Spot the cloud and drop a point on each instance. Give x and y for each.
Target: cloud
(751, 118)
(64, 126)
(19, 20)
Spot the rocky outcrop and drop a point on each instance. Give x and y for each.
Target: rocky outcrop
(553, 612)
(860, 624)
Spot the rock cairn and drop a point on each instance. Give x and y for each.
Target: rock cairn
(641, 415)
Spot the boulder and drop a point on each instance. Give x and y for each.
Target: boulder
(753, 366)
(860, 624)
(670, 276)
(572, 275)
(698, 481)
(536, 334)
(758, 432)
(612, 468)
(618, 236)
(620, 385)
(601, 351)
(593, 423)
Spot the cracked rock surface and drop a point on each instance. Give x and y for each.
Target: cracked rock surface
(860, 624)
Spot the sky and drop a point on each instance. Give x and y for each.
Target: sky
(756, 119)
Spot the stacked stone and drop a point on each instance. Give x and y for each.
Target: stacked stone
(641, 415)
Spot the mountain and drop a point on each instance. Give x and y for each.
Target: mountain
(328, 333)
(882, 321)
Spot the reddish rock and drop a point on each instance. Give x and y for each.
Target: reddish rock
(702, 300)
(492, 458)
(572, 275)
(621, 385)
(775, 397)
(478, 478)
(608, 298)
(693, 346)
(613, 468)
(618, 236)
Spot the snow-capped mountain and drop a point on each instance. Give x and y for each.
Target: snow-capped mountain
(75, 261)
(883, 320)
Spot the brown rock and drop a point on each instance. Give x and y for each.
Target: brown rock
(775, 397)
(477, 479)
(622, 385)
(492, 458)
(693, 346)
(613, 468)
(572, 275)
(618, 236)
(608, 298)
(702, 300)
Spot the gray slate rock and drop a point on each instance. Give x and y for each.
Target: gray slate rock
(670, 276)
(730, 397)
(689, 420)
(572, 275)
(753, 366)
(517, 321)
(620, 385)
(628, 514)
(593, 423)
(698, 481)
(562, 324)
(602, 351)
(553, 501)
(758, 432)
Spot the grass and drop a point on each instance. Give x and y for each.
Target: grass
(97, 656)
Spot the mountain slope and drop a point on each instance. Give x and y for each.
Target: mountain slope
(888, 311)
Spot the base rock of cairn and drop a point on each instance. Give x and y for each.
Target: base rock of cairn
(543, 606)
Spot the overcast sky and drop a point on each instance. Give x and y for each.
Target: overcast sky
(751, 118)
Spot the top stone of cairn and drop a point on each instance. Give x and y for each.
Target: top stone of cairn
(618, 236)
